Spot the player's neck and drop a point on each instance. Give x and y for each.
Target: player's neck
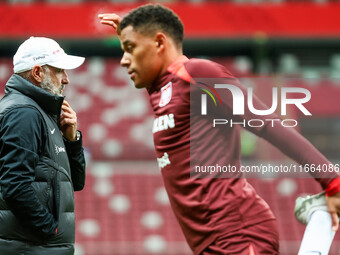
(170, 57)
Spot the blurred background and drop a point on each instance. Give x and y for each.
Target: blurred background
(124, 208)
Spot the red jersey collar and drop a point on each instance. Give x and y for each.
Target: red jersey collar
(172, 68)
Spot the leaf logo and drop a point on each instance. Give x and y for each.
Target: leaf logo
(206, 88)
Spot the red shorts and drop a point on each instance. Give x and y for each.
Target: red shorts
(262, 238)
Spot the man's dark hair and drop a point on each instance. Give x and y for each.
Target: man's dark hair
(150, 18)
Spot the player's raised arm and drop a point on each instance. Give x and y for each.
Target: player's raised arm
(111, 19)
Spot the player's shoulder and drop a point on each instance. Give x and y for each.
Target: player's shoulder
(204, 68)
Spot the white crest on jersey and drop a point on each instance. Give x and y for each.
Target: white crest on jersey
(166, 94)
(163, 161)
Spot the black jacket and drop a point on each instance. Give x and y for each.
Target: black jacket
(39, 171)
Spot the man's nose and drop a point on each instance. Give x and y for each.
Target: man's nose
(65, 79)
(125, 61)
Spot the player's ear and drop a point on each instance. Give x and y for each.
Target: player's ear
(160, 41)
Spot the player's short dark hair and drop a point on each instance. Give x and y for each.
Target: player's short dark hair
(151, 18)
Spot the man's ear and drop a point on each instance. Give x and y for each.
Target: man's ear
(160, 41)
(37, 74)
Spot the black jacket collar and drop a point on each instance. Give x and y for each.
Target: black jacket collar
(50, 103)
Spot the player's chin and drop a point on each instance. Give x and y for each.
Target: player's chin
(140, 85)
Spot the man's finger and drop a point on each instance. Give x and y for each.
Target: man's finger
(68, 109)
(109, 23)
(110, 19)
(68, 115)
(109, 16)
(66, 103)
(335, 221)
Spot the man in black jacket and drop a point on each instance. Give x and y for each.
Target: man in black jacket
(41, 156)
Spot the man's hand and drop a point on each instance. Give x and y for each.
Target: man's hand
(68, 122)
(110, 19)
(333, 204)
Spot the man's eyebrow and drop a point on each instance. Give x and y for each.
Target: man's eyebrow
(126, 42)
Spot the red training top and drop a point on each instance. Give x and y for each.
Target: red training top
(207, 208)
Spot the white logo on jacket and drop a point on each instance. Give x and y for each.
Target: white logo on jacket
(166, 94)
(59, 149)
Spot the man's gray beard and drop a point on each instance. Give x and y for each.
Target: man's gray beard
(48, 85)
